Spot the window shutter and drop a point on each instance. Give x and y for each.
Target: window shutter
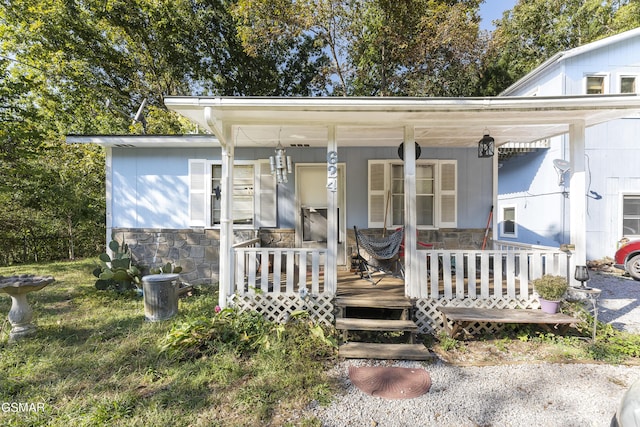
(377, 193)
(197, 193)
(448, 194)
(266, 211)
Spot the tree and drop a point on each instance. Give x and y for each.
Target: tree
(376, 47)
(84, 67)
(418, 48)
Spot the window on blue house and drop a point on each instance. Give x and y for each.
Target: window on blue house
(243, 194)
(254, 194)
(595, 85)
(628, 84)
(508, 224)
(436, 194)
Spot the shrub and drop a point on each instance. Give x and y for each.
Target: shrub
(551, 288)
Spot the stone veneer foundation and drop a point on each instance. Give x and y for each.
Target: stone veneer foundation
(197, 250)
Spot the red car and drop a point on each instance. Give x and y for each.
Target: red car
(628, 257)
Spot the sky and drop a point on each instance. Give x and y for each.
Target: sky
(491, 10)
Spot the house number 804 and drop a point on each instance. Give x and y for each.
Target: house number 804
(332, 171)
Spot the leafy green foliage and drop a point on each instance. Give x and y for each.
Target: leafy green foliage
(246, 333)
(418, 47)
(117, 272)
(446, 342)
(550, 287)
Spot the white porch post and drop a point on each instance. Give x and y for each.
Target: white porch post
(577, 197)
(331, 273)
(411, 279)
(225, 271)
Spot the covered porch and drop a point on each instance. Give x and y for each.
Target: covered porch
(280, 280)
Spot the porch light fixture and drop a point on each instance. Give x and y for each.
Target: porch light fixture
(486, 145)
(582, 275)
(280, 164)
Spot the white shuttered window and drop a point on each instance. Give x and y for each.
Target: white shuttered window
(436, 193)
(254, 194)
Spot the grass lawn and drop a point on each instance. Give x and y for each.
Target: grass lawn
(94, 361)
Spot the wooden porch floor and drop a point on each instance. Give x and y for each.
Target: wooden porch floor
(351, 285)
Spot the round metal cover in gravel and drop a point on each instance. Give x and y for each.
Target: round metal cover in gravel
(390, 382)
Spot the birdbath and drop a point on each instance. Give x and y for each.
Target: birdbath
(21, 314)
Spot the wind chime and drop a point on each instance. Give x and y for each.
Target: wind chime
(280, 163)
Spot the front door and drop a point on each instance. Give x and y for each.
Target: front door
(311, 208)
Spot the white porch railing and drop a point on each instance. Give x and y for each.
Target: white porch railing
(505, 245)
(448, 274)
(486, 274)
(279, 270)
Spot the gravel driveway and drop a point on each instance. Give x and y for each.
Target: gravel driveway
(539, 394)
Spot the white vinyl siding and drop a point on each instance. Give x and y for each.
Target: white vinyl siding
(436, 194)
(254, 194)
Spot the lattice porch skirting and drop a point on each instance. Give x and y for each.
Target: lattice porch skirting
(429, 319)
(278, 307)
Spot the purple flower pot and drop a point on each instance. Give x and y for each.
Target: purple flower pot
(547, 306)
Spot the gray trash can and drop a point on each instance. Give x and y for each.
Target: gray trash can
(160, 296)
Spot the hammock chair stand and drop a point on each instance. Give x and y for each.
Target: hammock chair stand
(384, 256)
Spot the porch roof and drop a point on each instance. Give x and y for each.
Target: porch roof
(438, 122)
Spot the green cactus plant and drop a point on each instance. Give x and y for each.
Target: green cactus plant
(166, 269)
(118, 271)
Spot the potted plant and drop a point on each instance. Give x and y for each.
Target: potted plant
(550, 290)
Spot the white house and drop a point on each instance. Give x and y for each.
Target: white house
(534, 196)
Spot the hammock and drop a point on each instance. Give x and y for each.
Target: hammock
(381, 247)
(384, 255)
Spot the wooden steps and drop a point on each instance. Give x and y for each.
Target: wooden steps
(354, 324)
(399, 303)
(364, 350)
(378, 316)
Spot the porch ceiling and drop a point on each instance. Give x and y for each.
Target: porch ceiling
(438, 122)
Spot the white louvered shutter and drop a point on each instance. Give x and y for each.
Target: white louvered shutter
(377, 193)
(266, 211)
(448, 194)
(197, 193)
